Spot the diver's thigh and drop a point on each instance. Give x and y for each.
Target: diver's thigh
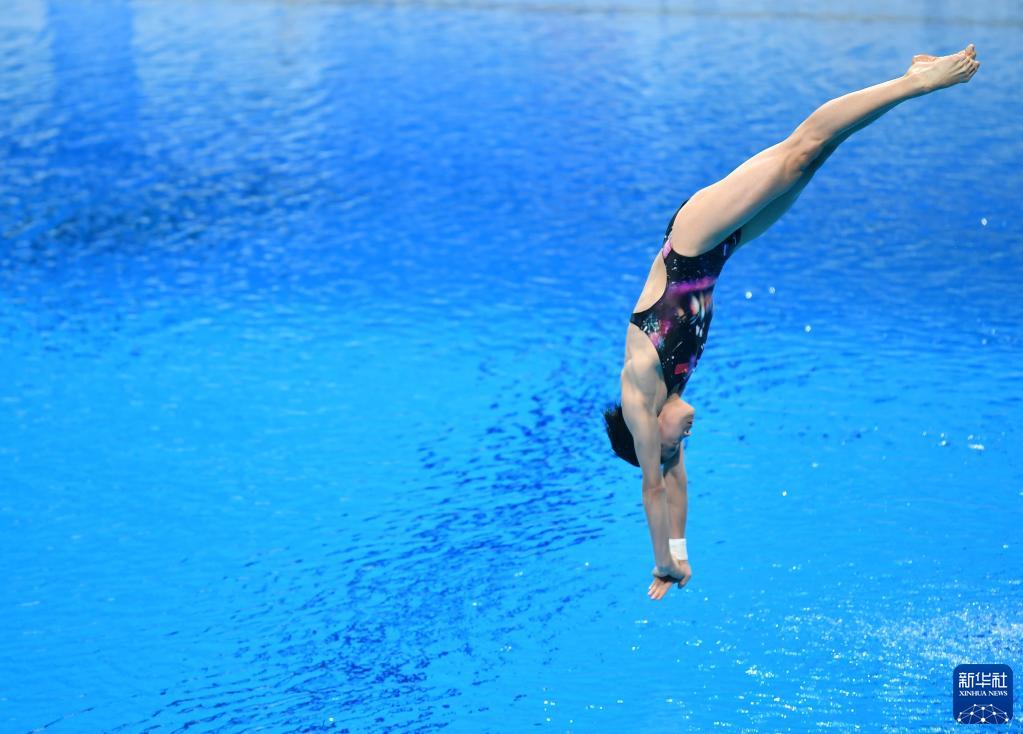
(714, 212)
(762, 220)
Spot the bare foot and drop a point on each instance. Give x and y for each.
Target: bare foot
(922, 60)
(938, 72)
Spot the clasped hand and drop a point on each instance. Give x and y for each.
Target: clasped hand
(666, 576)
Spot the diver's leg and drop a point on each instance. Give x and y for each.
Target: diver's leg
(712, 213)
(771, 213)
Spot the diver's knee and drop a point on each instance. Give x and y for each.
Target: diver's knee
(801, 150)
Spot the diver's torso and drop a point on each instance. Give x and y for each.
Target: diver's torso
(671, 320)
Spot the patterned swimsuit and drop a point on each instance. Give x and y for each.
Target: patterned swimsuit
(678, 323)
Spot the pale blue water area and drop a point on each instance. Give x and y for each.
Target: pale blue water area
(310, 310)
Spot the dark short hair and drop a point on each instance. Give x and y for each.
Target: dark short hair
(619, 434)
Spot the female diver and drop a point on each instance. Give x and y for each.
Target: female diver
(668, 328)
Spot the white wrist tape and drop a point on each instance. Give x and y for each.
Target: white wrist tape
(677, 546)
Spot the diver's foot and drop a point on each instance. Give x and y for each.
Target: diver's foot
(920, 60)
(938, 72)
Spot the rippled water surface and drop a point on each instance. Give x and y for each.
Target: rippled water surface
(309, 311)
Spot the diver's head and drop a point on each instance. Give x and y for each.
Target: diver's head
(674, 423)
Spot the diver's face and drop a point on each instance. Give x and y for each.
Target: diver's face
(675, 422)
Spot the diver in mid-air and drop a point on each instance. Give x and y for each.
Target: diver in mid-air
(668, 328)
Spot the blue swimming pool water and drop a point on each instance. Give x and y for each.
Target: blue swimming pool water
(310, 309)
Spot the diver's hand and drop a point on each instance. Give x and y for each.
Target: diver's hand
(678, 570)
(663, 571)
(666, 576)
(686, 572)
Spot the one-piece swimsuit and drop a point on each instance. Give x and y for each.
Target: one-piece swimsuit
(678, 322)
